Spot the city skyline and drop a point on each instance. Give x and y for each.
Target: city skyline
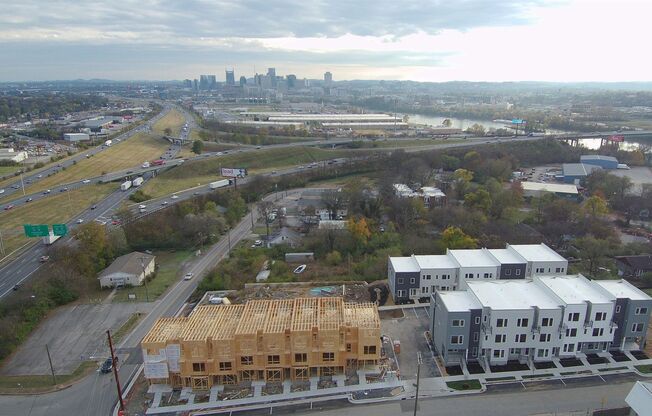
(472, 40)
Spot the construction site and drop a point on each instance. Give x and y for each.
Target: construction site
(302, 340)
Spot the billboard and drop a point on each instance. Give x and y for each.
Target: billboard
(234, 172)
(619, 138)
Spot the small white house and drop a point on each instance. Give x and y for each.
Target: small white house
(128, 270)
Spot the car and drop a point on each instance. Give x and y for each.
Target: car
(300, 269)
(107, 366)
(64, 190)
(188, 276)
(258, 147)
(258, 243)
(8, 207)
(219, 153)
(175, 197)
(28, 200)
(80, 220)
(86, 181)
(47, 191)
(15, 186)
(39, 176)
(116, 222)
(59, 166)
(164, 203)
(141, 206)
(17, 286)
(2, 191)
(130, 171)
(94, 207)
(196, 193)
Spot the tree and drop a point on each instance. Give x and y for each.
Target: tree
(455, 238)
(197, 147)
(359, 229)
(265, 210)
(167, 131)
(595, 206)
(476, 130)
(235, 209)
(479, 199)
(333, 200)
(447, 122)
(592, 250)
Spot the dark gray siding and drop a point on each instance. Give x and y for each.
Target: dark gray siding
(403, 283)
(620, 313)
(509, 271)
(474, 329)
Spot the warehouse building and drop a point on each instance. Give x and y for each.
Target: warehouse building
(605, 162)
(12, 155)
(76, 137)
(417, 277)
(576, 173)
(538, 189)
(493, 322)
(270, 340)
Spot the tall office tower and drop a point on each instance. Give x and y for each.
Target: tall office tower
(243, 81)
(230, 77)
(271, 73)
(292, 81)
(187, 83)
(203, 82)
(195, 85)
(328, 78)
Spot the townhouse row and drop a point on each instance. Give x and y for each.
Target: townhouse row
(538, 319)
(416, 277)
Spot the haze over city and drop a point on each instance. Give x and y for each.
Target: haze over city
(473, 40)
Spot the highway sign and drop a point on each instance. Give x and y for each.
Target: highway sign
(36, 230)
(60, 229)
(518, 121)
(234, 172)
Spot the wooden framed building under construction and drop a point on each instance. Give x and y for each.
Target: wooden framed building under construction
(270, 340)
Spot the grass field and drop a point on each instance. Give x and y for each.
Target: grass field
(173, 120)
(8, 170)
(169, 270)
(201, 172)
(123, 155)
(40, 384)
(52, 210)
(464, 385)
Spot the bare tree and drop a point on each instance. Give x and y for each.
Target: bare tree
(265, 210)
(333, 200)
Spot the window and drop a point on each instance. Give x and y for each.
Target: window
(328, 356)
(476, 336)
(501, 322)
(637, 327)
(348, 347)
(544, 338)
(641, 311)
(571, 332)
(486, 275)
(520, 338)
(425, 289)
(247, 360)
(543, 353)
(225, 366)
(400, 293)
(546, 322)
(574, 317)
(477, 320)
(400, 280)
(414, 291)
(499, 353)
(600, 316)
(508, 272)
(617, 308)
(597, 332)
(197, 367)
(458, 322)
(558, 270)
(433, 288)
(457, 339)
(369, 349)
(273, 359)
(427, 277)
(569, 347)
(522, 322)
(518, 272)
(500, 338)
(302, 357)
(412, 280)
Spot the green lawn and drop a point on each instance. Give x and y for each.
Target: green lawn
(645, 369)
(8, 170)
(464, 385)
(172, 120)
(36, 384)
(169, 266)
(201, 172)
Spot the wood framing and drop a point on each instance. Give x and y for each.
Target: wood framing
(262, 340)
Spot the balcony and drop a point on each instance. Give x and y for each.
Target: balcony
(588, 324)
(487, 329)
(535, 329)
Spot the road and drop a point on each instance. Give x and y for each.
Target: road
(16, 189)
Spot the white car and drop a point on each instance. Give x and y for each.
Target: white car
(79, 221)
(164, 203)
(300, 269)
(188, 276)
(175, 196)
(142, 206)
(2, 191)
(86, 181)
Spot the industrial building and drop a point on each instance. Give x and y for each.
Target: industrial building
(270, 340)
(538, 189)
(605, 162)
(76, 137)
(576, 173)
(547, 317)
(417, 277)
(13, 156)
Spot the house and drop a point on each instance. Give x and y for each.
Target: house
(538, 319)
(130, 269)
(634, 266)
(417, 277)
(285, 236)
(430, 195)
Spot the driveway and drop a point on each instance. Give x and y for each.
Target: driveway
(73, 334)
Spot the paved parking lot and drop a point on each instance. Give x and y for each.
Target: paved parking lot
(409, 330)
(73, 334)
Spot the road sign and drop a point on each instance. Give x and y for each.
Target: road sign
(36, 230)
(60, 229)
(234, 172)
(518, 121)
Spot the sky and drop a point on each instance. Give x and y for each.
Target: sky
(420, 40)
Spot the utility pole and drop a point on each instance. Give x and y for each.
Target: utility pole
(54, 378)
(21, 182)
(115, 372)
(2, 246)
(416, 396)
(142, 264)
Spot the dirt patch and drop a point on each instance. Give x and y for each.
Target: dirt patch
(351, 291)
(391, 314)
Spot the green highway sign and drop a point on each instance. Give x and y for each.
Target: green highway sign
(60, 229)
(36, 230)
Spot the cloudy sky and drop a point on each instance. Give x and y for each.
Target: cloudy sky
(422, 40)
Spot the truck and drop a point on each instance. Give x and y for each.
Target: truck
(125, 185)
(219, 184)
(108, 143)
(158, 162)
(49, 239)
(137, 182)
(145, 165)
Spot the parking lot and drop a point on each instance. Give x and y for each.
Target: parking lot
(410, 331)
(73, 334)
